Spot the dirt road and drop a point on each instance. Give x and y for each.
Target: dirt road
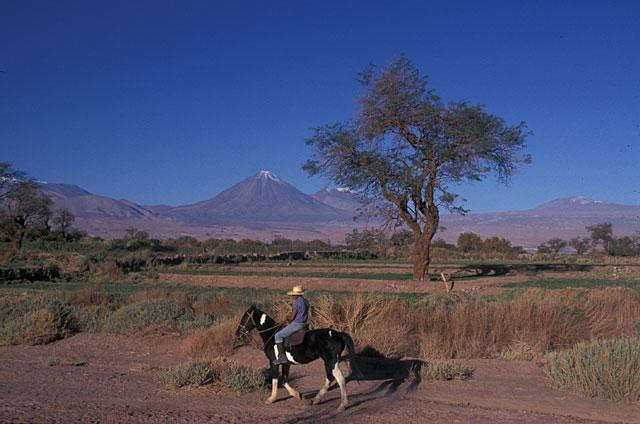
(108, 378)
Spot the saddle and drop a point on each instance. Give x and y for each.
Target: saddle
(296, 338)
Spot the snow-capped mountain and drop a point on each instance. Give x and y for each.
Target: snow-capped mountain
(340, 198)
(262, 198)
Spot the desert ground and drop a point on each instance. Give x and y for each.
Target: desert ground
(109, 378)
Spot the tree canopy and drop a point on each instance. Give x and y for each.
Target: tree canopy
(409, 147)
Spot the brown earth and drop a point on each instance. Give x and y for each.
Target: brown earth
(489, 285)
(109, 378)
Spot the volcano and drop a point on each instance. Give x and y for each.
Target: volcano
(262, 198)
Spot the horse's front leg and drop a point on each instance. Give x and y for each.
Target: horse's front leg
(285, 377)
(274, 384)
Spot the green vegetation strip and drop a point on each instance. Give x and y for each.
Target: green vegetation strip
(570, 282)
(314, 274)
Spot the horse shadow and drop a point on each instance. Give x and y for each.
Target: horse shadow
(370, 365)
(392, 373)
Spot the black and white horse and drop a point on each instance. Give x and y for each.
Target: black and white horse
(325, 343)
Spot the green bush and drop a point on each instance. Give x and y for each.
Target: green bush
(221, 371)
(191, 374)
(35, 320)
(239, 378)
(608, 369)
(140, 315)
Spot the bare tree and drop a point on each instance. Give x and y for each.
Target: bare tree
(407, 146)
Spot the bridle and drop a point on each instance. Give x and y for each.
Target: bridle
(246, 333)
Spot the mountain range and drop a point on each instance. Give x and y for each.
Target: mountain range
(264, 206)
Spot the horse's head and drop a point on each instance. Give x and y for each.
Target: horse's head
(247, 323)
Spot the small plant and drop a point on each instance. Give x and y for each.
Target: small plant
(445, 371)
(608, 369)
(191, 374)
(52, 361)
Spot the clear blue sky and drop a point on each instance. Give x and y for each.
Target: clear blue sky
(171, 102)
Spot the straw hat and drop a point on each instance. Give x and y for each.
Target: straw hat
(296, 291)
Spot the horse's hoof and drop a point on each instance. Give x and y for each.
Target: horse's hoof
(268, 401)
(315, 401)
(342, 407)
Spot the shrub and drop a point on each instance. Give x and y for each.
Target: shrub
(191, 374)
(608, 369)
(138, 316)
(210, 343)
(220, 371)
(238, 378)
(88, 296)
(35, 321)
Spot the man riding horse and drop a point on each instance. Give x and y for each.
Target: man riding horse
(323, 343)
(297, 319)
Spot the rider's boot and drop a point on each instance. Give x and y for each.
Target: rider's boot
(282, 358)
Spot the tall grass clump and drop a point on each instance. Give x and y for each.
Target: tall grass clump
(607, 369)
(373, 321)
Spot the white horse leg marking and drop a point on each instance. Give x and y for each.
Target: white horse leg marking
(263, 319)
(343, 390)
(322, 392)
(290, 358)
(274, 391)
(293, 392)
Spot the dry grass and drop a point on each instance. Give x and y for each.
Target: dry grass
(611, 312)
(537, 322)
(602, 368)
(88, 297)
(210, 343)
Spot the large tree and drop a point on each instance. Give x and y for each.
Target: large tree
(408, 147)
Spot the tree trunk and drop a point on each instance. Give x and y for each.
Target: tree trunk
(17, 241)
(421, 259)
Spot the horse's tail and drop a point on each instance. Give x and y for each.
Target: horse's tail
(351, 351)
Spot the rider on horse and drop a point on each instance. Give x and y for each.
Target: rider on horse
(297, 321)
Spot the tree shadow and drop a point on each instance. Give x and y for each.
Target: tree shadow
(484, 270)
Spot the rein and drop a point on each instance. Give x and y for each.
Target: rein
(260, 331)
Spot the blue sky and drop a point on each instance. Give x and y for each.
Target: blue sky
(172, 102)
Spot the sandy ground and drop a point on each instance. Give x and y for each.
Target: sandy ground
(107, 378)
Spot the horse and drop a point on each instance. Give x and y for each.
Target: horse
(325, 343)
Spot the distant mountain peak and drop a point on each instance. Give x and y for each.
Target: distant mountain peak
(268, 175)
(582, 200)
